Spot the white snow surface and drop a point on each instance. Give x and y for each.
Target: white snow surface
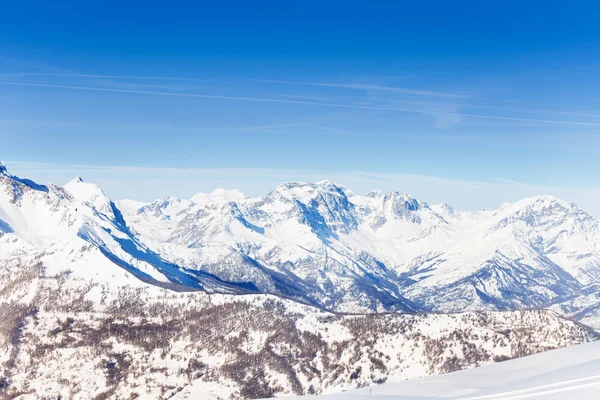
(563, 374)
(317, 243)
(532, 253)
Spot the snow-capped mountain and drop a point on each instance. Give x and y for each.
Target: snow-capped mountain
(319, 244)
(103, 299)
(346, 252)
(78, 225)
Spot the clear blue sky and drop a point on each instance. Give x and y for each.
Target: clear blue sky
(192, 94)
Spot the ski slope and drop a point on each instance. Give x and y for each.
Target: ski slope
(568, 373)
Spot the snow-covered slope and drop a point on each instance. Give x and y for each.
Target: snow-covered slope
(319, 244)
(63, 336)
(78, 226)
(103, 299)
(324, 244)
(563, 374)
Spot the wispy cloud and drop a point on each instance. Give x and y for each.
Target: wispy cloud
(444, 114)
(100, 76)
(184, 79)
(535, 111)
(368, 87)
(436, 113)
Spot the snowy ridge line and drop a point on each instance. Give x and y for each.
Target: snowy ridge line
(322, 245)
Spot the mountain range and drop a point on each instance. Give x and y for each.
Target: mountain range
(319, 244)
(310, 289)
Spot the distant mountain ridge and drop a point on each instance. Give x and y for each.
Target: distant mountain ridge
(318, 243)
(102, 299)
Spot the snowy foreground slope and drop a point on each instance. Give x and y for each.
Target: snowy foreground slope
(63, 336)
(564, 374)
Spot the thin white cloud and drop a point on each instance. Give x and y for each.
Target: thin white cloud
(435, 113)
(534, 111)
(368, 87)
(183, 79)
(60, 72)
(100, 76)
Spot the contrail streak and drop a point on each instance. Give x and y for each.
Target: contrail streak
(75, 75)
(368, 87)
(311, 103)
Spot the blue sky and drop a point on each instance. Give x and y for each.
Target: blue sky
(156, 98)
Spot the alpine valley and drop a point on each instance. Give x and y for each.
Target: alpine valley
(310, 289)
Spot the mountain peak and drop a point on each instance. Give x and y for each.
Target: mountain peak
(540, 201)
(330, 185)
(84, 191)
(228, 194)
(443, 208)
(397, 196)
(375, 193)
(219, 196)
(326, 182)
(306, 191)
(292, 185)
(3, 170)
(546, 198)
